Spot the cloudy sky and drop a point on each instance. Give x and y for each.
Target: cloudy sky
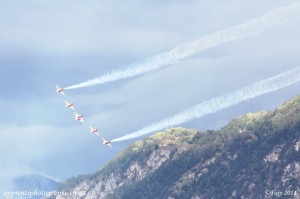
(67, 42)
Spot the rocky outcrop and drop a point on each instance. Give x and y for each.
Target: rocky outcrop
(291, 171)
(274, 155)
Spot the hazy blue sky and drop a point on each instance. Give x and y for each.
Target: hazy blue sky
(44, 43)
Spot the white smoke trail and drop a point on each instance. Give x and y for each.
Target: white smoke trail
(247, 29)
(251, 91)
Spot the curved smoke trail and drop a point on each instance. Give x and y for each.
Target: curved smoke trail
(247, 29)
(251, 91)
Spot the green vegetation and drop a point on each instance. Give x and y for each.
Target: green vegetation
(239, 149)
(141, 150)
(229, 163)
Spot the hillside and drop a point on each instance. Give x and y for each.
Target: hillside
(34, 183)
(254, 156)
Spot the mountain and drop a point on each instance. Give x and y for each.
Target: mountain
(34, 183)
(254, 156)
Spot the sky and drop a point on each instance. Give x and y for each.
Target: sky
(44, 43)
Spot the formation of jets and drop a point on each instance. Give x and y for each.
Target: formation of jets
(79, 117)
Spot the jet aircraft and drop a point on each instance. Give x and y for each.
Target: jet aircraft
(95, 131)
(107, 142)
(60, 90)
(79, 117)
(69, 105)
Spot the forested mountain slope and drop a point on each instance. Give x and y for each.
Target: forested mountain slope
(255, 156)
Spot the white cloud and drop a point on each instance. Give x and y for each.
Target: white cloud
(70, 27)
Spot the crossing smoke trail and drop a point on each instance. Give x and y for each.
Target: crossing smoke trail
(247, 29)
(251, 91)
